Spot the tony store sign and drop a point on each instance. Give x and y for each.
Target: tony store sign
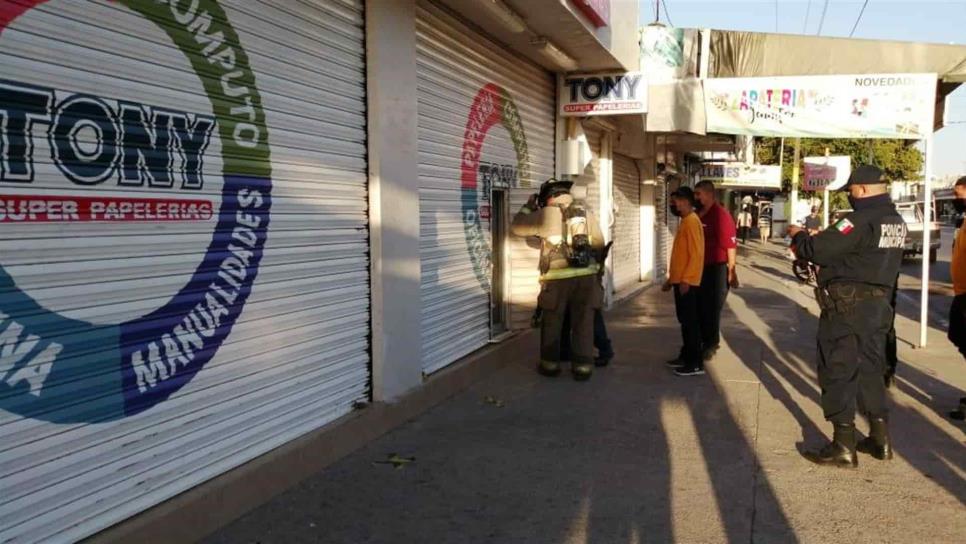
(103, 165)
(603, 94)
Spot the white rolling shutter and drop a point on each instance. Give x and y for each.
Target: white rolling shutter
(626, 252)
(189, 286)
(484, 114)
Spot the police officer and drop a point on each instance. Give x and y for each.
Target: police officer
(859, 259)
(571, 242)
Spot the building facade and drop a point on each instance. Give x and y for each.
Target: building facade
(225, 225)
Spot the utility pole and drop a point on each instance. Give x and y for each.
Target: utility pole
(825, 205)
(796, 170)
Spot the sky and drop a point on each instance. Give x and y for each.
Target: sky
(906, 20)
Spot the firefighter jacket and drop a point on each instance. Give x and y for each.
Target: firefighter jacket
(548, 224)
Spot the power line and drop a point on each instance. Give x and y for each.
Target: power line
(821, 21)
(808, 11)
(667, 14)
(856, 25)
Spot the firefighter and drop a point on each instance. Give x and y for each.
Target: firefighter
(571, 243)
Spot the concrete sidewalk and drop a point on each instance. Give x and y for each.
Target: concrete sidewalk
(640, 455)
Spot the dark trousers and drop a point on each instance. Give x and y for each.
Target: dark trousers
(743, 232)
(601, 341)
(686, 307)
(711, 300)
(957, 323)
(578, 298)
(852, 360)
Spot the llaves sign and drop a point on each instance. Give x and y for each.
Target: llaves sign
(59, 368)
(603, 94)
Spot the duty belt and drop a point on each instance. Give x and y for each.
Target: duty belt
(842, 297)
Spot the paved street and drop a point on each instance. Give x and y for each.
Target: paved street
(640, 455)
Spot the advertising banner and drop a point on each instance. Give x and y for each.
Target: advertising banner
(618, 93)
(846, 106)
(738, 175)
(826, 173)
(668, 54)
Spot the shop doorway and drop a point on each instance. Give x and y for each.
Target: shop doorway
(499, 227)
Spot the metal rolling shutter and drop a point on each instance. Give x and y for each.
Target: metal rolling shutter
(454, 65)
(627, 227)
(117, 424)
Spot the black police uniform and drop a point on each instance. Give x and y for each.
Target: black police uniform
(859, 259)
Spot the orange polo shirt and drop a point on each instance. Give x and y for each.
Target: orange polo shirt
(957, 267)
(687, 254)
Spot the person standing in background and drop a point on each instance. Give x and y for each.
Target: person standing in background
(744, 224)
(720, 259)
(684, 276)
(764, 224)
(813, 223)
(957, 269)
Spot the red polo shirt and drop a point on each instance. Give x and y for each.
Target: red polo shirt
(719, 234)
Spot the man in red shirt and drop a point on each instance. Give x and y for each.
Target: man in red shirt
(720, 253)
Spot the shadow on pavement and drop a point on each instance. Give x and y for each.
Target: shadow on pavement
(610, 461)
(928, 448)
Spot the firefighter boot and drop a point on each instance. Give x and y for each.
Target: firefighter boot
(840, 452)
(548, 368)
(582, 371)
(877, 444)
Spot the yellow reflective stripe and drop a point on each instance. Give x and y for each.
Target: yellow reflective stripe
(567, 273)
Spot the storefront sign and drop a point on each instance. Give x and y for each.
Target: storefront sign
(69, 156)
(598, 11)
(668, 53)
(847, 106)
(492, 106)
(603, 94)
(823, 173)
(738, 175)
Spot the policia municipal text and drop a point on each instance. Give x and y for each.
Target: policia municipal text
(858, 259)
(571, 248)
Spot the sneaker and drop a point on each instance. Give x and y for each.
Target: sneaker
(676, 363)
(690, 371)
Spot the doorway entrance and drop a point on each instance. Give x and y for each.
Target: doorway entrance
(499, 226)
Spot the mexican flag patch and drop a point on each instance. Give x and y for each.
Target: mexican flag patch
(844, 226)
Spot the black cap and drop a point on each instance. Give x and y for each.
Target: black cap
(553, 187)
(866, 175)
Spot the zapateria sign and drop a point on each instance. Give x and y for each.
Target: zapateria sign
(104, 149)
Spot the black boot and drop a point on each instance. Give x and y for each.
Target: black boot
(840, 452)
(877, 444)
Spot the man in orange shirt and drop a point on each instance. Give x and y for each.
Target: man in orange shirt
(957, 269)
(687, 265)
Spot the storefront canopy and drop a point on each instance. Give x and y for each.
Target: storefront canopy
(754, 54)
